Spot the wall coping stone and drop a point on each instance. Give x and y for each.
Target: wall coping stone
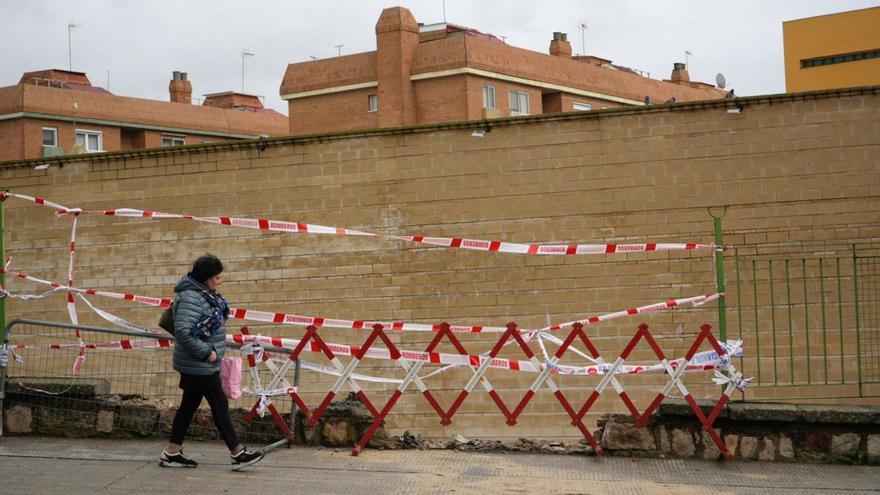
(261, 144)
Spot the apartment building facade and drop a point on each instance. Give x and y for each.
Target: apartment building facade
(839, 50)
(58, 112)
(423, 74)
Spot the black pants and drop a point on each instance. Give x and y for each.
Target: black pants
(194, 388)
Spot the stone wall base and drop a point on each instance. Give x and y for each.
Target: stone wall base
(753, 431)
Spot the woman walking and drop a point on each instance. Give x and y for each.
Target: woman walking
(200, 314)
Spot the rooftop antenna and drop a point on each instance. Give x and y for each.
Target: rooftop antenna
(444, 11)
(244, 53)
(339, 50)
(686, 54)
(583, 28)
(70, 27)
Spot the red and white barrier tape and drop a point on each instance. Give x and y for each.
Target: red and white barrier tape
(37, 201)
(318, 321)
(120, 322)
(699, 362)
(265, 396)
(704, 361)
(123, 344)
(150, 301)
(735, 380)
(493, 246)
(261, 356)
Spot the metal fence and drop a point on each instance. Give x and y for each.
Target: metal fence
(809, 315)
(124, 385)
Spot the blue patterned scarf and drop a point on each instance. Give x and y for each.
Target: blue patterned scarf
(213, 323)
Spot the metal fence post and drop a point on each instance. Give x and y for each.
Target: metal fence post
(296, 375)
(858, 322)
(719, 274)
(718, 253)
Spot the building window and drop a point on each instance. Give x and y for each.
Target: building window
(50, 136)
(582, 107)
(840, 59)
(519, 103)
(90, 140)
(173, 141)
(489, 97)
(373, 103)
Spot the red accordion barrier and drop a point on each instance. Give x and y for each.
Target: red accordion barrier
(479, 365)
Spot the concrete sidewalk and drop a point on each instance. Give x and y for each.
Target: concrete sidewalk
(45, 466)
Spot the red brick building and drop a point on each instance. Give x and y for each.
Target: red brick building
(56, 112)
(423, 74)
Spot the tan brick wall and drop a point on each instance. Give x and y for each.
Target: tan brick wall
(789, 169)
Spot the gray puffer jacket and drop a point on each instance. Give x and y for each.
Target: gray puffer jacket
(190, 352)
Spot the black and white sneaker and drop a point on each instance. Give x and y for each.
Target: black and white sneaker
(177, 460)
(246, 458)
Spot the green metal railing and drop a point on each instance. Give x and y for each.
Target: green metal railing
(809, 316)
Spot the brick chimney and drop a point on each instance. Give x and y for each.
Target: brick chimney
(560, 47)
(679, 73)
(180, 89)
(397, 36)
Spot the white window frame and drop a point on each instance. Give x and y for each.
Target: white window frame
(54, 137)
(489, 96)
(86, 133)
(173, 140)
(519, 97)
(584, 107)
(372, 103)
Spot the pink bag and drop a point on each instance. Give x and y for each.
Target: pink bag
(230, 376)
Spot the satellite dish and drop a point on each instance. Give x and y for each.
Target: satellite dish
(720, 80)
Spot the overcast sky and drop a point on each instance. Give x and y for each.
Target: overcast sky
(141, 42)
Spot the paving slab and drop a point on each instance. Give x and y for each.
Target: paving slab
(47, 466)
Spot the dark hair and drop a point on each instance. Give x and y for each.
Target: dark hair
(206, 267)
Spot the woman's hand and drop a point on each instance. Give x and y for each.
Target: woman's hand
(212, 357)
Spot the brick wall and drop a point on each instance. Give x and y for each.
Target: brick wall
(502, 96)
(11, 140)
(789, 167)
(39, 99)
(445, 100)
(337, 111)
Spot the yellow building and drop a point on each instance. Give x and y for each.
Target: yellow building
(832, 51)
